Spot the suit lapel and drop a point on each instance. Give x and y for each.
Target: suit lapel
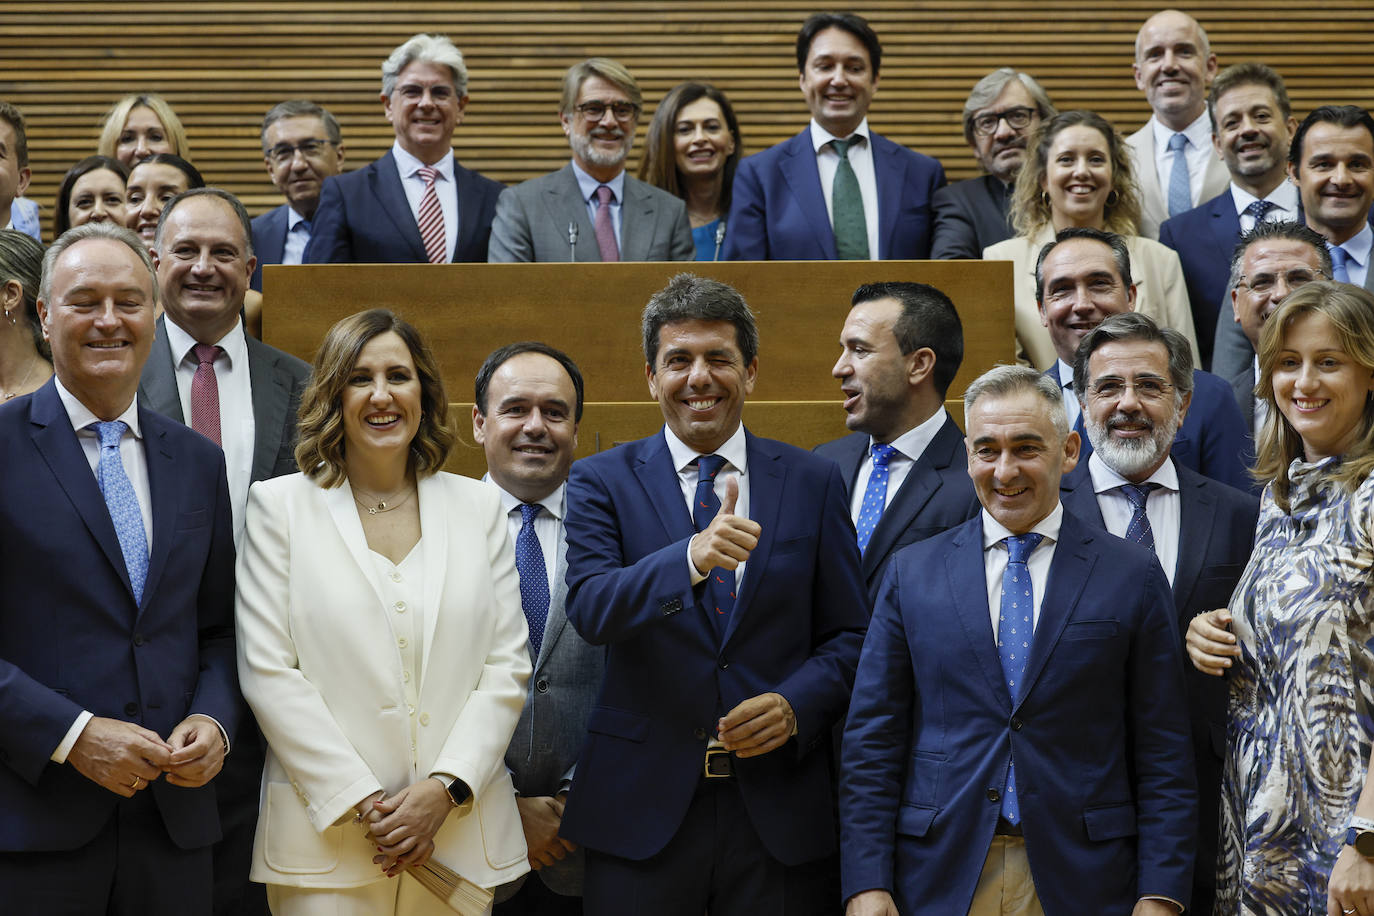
(162, 475)
(766, 478)
(921, 484)
(1151, 194)
(887, 168)
(1197, 506)
(274, 247)
(157, 388)
(967, 584)
(804, 180)
(339, 501)
(434, 547)
(271, 393)
(469, 208)
(636, 222)
(384, 181)
(1069, 572)
(662, 489)
(558, 599)
(563, 200)
(1225, 225)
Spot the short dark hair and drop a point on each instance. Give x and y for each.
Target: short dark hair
(61, 219)
(221, 194)
(1339, 115)
(688, 297)
(300, 108)
(1135, 326)
(1279, 229)
(1120, 254)
(852, 23)
(15, 119)
(928, 319)
(1252, 73)
(498, 357)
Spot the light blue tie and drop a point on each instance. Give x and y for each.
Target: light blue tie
(1339, 258)
(1015, 626)
(122, 502)
(875, 494)
(534, 575)
(1180, 194)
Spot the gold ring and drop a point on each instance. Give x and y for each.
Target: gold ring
(134, 785)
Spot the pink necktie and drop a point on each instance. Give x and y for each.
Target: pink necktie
(605, 231)
(205, 393)
(432, 219)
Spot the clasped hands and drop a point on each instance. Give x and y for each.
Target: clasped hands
(125, 758)
(403, 825)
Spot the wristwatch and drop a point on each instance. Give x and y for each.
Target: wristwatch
(459, 793)
(1360, 834)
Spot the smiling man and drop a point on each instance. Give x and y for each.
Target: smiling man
(1175, 163)
(720, 571)
(591, 209)
(415, 203)
(837, 190)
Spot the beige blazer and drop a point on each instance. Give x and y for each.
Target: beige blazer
(1155, 270)
(318, 664)
(1154, 206)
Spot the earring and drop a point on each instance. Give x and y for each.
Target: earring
(1045, 199)
(1113, 197)
(10, 316)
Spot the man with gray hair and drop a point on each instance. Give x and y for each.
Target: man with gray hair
(415, 203)
(1001, 113)
(591, 210)
(301, 147)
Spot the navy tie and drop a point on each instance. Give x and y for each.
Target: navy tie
(1138, 531)
(122, 502)
(875, 494)
(720, 583)
(1339, 257)
(534, 575)
(1015, 626)
(1259, 209)
(1180, 192)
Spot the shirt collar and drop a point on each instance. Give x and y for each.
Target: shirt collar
(1199, 133)
(1285, 197)
(588, 185)
(820, 136)
(1064, 372)
(732, 450)
(1358, 245)
(914, 441)
(234, 344)
(553, 503)
(293, 219)
(994, 531)
(81, 416)
(408, 164)
(1106, 478)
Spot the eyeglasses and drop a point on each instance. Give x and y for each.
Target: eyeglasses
(1017, 119)
(1298, 276)
(1146, 389)
(283, 153)
(595, 110)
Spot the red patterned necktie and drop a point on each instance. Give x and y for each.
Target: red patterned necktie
(605, 231)
(205, 393)
(432, 219)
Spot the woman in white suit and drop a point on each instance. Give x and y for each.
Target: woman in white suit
(381, 643)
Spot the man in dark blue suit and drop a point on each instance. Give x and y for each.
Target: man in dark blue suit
(301, 147)
(117, 669)
(903, 465)
(1017, 741)
(1252, 124)
(1134, 381)
(1084, 276)
(416, 203)
(721, 571)
(837, 190)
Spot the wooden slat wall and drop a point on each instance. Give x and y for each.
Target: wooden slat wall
(223, 64)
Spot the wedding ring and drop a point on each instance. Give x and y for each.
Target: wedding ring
(1347, 910)
(138, 779)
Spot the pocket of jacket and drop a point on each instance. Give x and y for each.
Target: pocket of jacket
(915, 820)
(1109, 822)
(1090, 629)
(618, 723)
(291, 844)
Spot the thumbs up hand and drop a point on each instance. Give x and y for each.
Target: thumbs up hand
(729, 538)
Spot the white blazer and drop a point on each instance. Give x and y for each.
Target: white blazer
(318, 664)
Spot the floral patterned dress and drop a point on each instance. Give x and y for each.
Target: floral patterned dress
(1302, 696)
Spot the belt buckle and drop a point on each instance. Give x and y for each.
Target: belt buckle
(718, 764)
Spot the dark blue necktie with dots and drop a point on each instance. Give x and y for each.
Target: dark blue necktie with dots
(720, 583)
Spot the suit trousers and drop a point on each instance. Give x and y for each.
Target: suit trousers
(715, 863)
(131, 868)
(535, 899)
(401, 896)
(1005, 887)
(237, 790)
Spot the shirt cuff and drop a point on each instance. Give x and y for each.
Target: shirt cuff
(1165, 899)
(223, 735)
(69, 740)
(696, 577)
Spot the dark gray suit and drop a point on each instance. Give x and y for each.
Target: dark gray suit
(532, 221)
(969, 216)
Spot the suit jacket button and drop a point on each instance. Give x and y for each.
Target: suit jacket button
(699, 734)
(994, 795)
(138, 639)
(1016, 724)
(542, 685)
(724, 664)
(130, 709)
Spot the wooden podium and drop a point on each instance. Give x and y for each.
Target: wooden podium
(592, 312)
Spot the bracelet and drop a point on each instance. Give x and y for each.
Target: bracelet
(1361, 823)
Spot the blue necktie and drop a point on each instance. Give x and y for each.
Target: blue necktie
(534, 575)
(1015, 626)
(1180, 194)
(720, 583)
(122, 502)
(1259, 209)
(875, 494)
(1339, 257)
(1138, 531)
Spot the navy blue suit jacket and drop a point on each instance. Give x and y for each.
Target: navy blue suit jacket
(1103, 762)
(1205, 238)
(796, 629)
(937, 495)
(269, 241)
(364, 218)
(777, 209)
(71, 636)
(1215, 534)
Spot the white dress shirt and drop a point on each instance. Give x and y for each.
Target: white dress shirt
(736, 460)
(402, 588)
(1162, 508)
(587, 185)
(444, 186)
(297, 237)
(237, 428)
(861, 160)
(1071, 406)
(548, 525)
(1198, 152)
(1038, 564)
(1358, 247)
(1284, 198)
(909, 445)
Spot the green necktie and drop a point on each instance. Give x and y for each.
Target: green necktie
(847, 205)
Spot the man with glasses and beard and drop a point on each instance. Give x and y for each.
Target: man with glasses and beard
(591, 210)
(1134, 382)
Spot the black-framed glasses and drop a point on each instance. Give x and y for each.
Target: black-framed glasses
(1146, 388)
(1017, 118)
(283, 153)
(595, 110)
(1265, 282)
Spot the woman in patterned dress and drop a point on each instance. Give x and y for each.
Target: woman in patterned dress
(1300, 650)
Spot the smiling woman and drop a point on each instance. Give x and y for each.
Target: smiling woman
(152, 183)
